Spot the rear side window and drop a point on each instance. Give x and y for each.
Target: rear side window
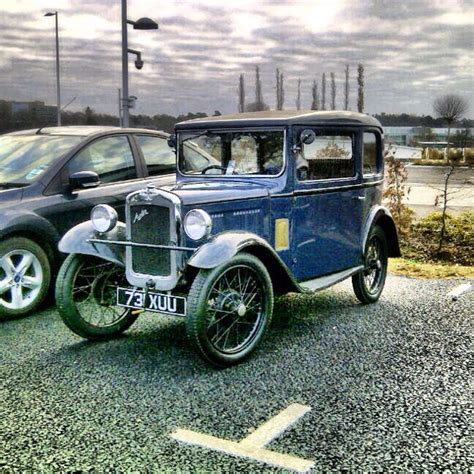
(330, 156)
(371, 152)
(159, 157)
(111, 158)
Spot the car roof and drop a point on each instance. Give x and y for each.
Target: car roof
(282, 117)
(83, 130)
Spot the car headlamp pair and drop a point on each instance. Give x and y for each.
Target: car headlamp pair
(197, 223)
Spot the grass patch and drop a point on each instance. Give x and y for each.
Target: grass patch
(411, 268)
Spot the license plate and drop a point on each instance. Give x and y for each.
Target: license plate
(156, 302)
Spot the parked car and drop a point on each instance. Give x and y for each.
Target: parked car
(50, 178)
(295, 206)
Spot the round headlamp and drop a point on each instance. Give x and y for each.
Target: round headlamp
(104, 218)
(197, 224)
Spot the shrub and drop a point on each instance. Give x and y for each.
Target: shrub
(436, 154)
(469, 156)
(455, 155)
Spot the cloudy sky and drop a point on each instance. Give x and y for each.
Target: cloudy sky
(412, 50)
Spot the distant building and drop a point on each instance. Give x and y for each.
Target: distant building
(41, 111)
(407, 135)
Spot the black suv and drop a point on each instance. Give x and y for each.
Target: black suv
(49, 180)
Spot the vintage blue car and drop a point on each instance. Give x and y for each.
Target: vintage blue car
(265, 203)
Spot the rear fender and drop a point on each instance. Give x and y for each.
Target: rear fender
(221, 248)
(381, 216)
(76, 241)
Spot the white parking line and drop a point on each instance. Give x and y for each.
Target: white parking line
(459, 290)
(252, 447)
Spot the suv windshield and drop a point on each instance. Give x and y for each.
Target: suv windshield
(23, 158)
(230, 153)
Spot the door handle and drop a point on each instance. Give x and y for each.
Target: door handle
(359, 198)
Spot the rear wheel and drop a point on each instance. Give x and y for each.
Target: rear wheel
(86, 297)
(369, 283)
(229, 309)
(25, 276)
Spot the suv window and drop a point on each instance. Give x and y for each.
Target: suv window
(371, 151)
(159, 157)
(111, 158)
(329, 156)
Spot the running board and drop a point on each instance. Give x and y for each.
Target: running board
(324, 282)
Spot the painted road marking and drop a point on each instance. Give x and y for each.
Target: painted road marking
(252, 447)
(459, 290)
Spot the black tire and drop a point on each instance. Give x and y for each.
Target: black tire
(23, 285)
(369, 283)
(230, 307)
(83, 281)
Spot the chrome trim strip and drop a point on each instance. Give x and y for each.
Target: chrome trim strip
(138, 244)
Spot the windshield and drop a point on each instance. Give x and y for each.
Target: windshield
(23, 158)
(231, 153)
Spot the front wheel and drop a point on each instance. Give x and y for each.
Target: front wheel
(229, 309)
(369, 283)
(86, 297)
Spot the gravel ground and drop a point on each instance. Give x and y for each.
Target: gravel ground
(388, 384)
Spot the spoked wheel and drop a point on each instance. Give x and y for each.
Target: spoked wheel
(229, 309)
(369, 283)
(86, 297)
(24, 276)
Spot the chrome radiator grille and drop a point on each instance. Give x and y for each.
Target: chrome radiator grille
(150, 224)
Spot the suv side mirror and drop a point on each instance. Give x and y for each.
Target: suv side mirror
(84, 180)
(172, 141)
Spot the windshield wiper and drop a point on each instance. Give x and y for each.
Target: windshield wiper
(13, 185)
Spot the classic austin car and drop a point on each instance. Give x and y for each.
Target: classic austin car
(284, 202)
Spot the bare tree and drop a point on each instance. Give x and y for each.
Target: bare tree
(323, 92)
(241, 94)
(279, 90)
(314, 92)
(450, 107)
(258, 90)
(333, 91)
(346, 89)
(360, 83)
(298, 96)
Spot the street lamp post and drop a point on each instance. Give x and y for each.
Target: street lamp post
(58, 84)
(141, 24)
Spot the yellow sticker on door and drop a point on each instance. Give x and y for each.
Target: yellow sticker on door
(282, 234)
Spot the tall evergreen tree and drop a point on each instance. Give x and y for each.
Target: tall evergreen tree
(346, 89)
(282, 92)
(360, 83)
(298, 96)
(278, 89)
(241, 94)
(258, 90)
(314, 92)
(333, 91)
(323, 92)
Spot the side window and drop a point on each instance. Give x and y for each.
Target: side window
(159, 157)
(371, 150)
(328, 157)
(111, 158)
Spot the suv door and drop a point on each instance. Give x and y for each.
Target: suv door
(159, 158)
(328, 203)
(111, 157)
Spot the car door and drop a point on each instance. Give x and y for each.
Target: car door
(328, 203)
(112, 158)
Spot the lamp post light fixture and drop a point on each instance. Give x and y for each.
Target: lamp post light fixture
(141, 24)
(58, 85)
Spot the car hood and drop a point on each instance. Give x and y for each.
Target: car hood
(10, 195)
(192, 193)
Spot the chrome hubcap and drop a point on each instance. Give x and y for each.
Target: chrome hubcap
(21, 277)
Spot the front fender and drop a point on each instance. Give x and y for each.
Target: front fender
(76, 241)
(221, 248)
(380, 215)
